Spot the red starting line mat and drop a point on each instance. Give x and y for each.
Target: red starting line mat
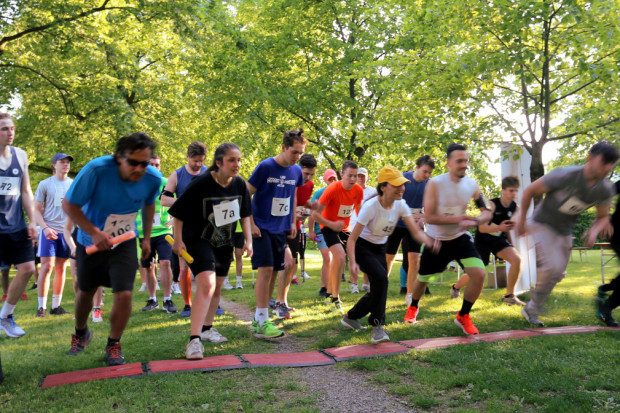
(302, 359)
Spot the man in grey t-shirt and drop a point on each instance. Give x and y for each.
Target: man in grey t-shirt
(568, 192)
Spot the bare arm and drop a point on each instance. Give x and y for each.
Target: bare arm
(148, 212)
(171, 186)
(354, 269)
(247, 234)
(66, 232)
(48, 232)
(421, 236)
(600, 224)
(255, 231)
(28, 201)
(335, 226)
(536, 188)
(100, 238)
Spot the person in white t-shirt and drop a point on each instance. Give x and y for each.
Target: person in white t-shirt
(369, 192)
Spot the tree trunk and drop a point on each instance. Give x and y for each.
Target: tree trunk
(537, 169)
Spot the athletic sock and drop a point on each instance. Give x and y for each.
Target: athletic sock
(334, 299)
(7, 310)
(42, 302)
(56, 299)
(261, 315)
(508, 295)
(113, 341)
(206, 328)
(81, 332)
(239, 278)
(415, 303)
(465, 308)
(167, 297)
(193, 337)
(403, 278)
(154, 298)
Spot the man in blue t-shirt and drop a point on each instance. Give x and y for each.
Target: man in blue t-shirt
(273, 187)
(103, 201)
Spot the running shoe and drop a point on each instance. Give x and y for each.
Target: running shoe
(142, 288)
(268, 330)
(337, 306)
(176, 289)
(4, 297)
(295, 281)
(603, 313)
(305, 275)
(513, 300)
(25, 297)
(194, 350)
(281, 311)
(355, 289)
(454, 293)
(323, 292)
(150, 305)
(531, 318)
(34, 286)
(239, 285)
(97, 315)
(254, 326)
(412, 315)
(169, 307)
(10, 327)
(213, 336)
(351, 323)
(344, 277)
(114, 355)
(187, 311)
(403, 290)
(427, 292)
(600, 294)
(41, 312)
(59, 311)
(220, 311)
(366, 287)
(466, 324)
(79, 343)
(227, 285)
(378, 335)
(272, 302)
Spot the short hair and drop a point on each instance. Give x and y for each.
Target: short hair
(196, 149)
(455, 147)
(307, 160)
(511, 181)
(425, 160)
(155, 156)
(4, 115)
(348, 164)
(135, 142)
(292, 136)
(220, 153)
(606, 150)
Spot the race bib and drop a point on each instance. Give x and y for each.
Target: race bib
(383, 227)
(120, 224)
(9, 185)
(496, 233)
(280, 207)
(157, 220)
(345, 211)
(451, 211)
(416, 211)
(573, 206)
(226, 212)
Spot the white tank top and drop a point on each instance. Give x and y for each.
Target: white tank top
(452, 200)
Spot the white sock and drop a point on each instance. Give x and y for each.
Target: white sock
(167, 297)
(239, 277)
(7, 310)
(42, 302)
(261, 315)
(226, 280)
(154, 298)
(56, 300)
(143, 285)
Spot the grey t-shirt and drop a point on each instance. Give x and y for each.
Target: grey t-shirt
(569, 195)
(51, 192)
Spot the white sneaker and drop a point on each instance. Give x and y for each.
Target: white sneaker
(213, 336)
(366, 287)
(97, 316)
(10, 327)
(239, 285)
(408, 299)
(354, 289)
(157, 287)
(194, 350)
(305, 275)
(176, 289)
(227, 285)
(142, 288)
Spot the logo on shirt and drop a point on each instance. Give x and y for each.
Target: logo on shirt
(15, 171)
(281, 181)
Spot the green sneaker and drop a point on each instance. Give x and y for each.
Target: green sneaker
(268, 330)
(254, 327)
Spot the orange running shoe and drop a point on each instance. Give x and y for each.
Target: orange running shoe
(466, 324)
(412, 314)
(3, 298)
(25, 297)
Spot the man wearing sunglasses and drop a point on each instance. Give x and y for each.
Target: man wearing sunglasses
(103, 201)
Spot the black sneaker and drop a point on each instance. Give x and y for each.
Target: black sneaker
(603, 313)
(323, 292)
(34, 286)
(78, 343)
(169, 307)
(59, 311)
(150, 305)
(403, 290)
(427, 292)
(41, 312)
(114, 355)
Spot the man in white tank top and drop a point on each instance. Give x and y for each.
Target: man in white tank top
(445, 203)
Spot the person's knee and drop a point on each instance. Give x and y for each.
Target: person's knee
(476, 274)
(515, 261)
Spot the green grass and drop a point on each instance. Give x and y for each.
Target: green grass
(562, 373)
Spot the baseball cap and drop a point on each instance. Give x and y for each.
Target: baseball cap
(330, 173)
(362, 171)
(61, 155)
(391, 175)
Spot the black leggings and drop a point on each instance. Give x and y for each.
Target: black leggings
(371, 260)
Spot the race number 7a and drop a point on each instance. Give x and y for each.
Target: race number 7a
(226, 212)
(280, 207)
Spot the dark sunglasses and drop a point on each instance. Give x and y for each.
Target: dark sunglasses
(133, 162)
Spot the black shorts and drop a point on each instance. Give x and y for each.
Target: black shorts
(269, 250)
(115, 268)
(209, 258)
(459, 249)
(332, 237)
(238, 240)
(490, 244)
(16, 248)
(160, 249)
(409, 243)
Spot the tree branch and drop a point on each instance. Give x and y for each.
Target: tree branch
(583, 132)
(573, 92)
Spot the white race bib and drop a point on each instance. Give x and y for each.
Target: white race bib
(345, 211)
(119, 224)
(416, 211)
(451, 211)
(157, 220)
(280, 207)
(383, 227)
(573, 206)
(496, 233)
(226, 212)
(9, 185)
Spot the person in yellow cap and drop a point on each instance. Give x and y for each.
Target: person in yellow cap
(366, 248)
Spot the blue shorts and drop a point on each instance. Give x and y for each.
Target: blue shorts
(320, 243)
(160, 248)
(269, 250)
(53, 247)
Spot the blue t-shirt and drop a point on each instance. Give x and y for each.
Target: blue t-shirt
(274, 181)
(315, 197)
(100, 191)
(414, 194)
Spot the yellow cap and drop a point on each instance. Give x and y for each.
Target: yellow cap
(392, 176)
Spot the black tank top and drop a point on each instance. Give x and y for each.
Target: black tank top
(500, 215)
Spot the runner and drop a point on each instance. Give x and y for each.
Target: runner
(161, 249)
(273, 185)
(15, 236)
(605, 304)
(205, 217)
(333, 214)
(178, 181)
(362, 179)
(53, 249)
(296, 245)
(104, 201)
(366, 248)
(445, 202)
(494, 238)
(568, 192)
(315, 234)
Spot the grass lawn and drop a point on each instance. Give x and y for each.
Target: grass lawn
(560, 373)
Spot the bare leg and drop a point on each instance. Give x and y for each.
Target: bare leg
(83, 305)
(60, 276)
(511, 255)
(389, 258)
(215, 301)
(20, 282)
(286, 276)
(166, 277)
(43, 282)
(325, 268)
(202, 300)
(264, 280)
(412, 271)
(150, 278)
(336, 268)
(121, 310)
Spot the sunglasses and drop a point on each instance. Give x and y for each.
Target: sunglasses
(133, 162)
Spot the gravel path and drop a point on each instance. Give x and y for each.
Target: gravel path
(336, 389)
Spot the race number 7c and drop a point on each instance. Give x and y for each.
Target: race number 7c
(280, 207)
